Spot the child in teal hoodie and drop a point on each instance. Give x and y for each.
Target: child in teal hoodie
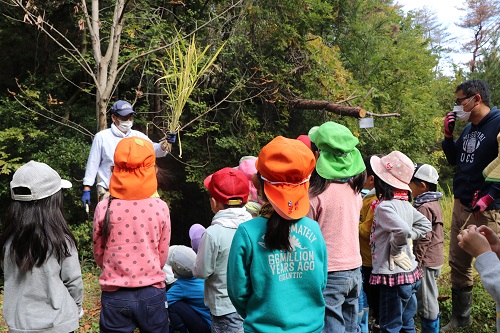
(277, 265)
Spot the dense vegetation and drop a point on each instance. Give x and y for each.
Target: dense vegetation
(356, 51)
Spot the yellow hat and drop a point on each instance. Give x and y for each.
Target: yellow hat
(492, 171)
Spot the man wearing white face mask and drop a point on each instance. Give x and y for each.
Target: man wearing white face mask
(477, 202)
(103, 148)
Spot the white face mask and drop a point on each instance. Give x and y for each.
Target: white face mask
(460, 113)
(125, 125)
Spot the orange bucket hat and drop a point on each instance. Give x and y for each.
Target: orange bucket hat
(134, 173)
(285, 165)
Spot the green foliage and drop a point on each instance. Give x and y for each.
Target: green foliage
(483, 309)
(275, 52)
(83, 233)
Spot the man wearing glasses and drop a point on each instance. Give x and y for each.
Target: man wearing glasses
(103, 149)
(476, 202)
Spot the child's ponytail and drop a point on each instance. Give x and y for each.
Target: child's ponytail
(105, 225)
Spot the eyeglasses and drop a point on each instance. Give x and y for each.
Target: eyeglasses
(459, 101)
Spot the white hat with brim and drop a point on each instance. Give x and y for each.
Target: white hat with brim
(39, 179)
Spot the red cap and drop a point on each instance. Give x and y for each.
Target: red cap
(305, 139)
(228, 186)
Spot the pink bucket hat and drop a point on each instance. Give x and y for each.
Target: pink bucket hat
(395, 168)
(247, 166)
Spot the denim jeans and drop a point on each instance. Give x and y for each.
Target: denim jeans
(341, 297)
(129, 308)
(229, 323)
(398, 306)
(184, 319)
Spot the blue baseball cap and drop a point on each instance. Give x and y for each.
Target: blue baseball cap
(122, 108)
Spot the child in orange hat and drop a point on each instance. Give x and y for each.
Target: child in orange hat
(131, 240)
(277, 263)
(228, 190)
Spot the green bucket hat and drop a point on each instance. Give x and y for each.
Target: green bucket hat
(338, 158)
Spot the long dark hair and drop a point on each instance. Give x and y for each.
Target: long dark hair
(37, 230)
(385, 191)
(277, 235)
(105, 224)
(320, 184)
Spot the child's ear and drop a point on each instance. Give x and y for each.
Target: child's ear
(213, 204)
(316, 154)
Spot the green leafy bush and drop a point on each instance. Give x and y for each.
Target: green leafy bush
(83, 236)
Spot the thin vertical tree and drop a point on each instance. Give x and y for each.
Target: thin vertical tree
(483, 18)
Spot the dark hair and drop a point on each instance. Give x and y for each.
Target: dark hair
(472, 87)
(382, 189)
(314, 148)
(369, 169)
(432, 187)
(320, 184)
(37, 230)
(277, 236)
(385, 191)
(105, 224)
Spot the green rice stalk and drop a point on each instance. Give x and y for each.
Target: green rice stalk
(187, 64)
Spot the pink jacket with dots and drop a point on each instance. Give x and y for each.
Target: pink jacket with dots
(137, 246)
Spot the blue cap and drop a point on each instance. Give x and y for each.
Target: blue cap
(122, 108)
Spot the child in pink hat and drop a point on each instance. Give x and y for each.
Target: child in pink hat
(247, 166)
(395, 224)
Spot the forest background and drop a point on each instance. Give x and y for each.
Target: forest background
(63, 64)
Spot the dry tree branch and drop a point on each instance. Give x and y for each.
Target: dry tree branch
(66, 122)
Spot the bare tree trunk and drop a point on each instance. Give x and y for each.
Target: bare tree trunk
(343, 110)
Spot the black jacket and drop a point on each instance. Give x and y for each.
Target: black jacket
(476, 147)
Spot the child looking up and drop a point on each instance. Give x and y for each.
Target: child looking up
(429, 249)
(43, 288)
(228, 190)
(395, 224)
(277, 264)
(131, 240)
(336, 202)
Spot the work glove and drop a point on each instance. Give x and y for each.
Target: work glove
(171, 137)
(401, 259)
(449, 124)
(483, 203)
(86, 197)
